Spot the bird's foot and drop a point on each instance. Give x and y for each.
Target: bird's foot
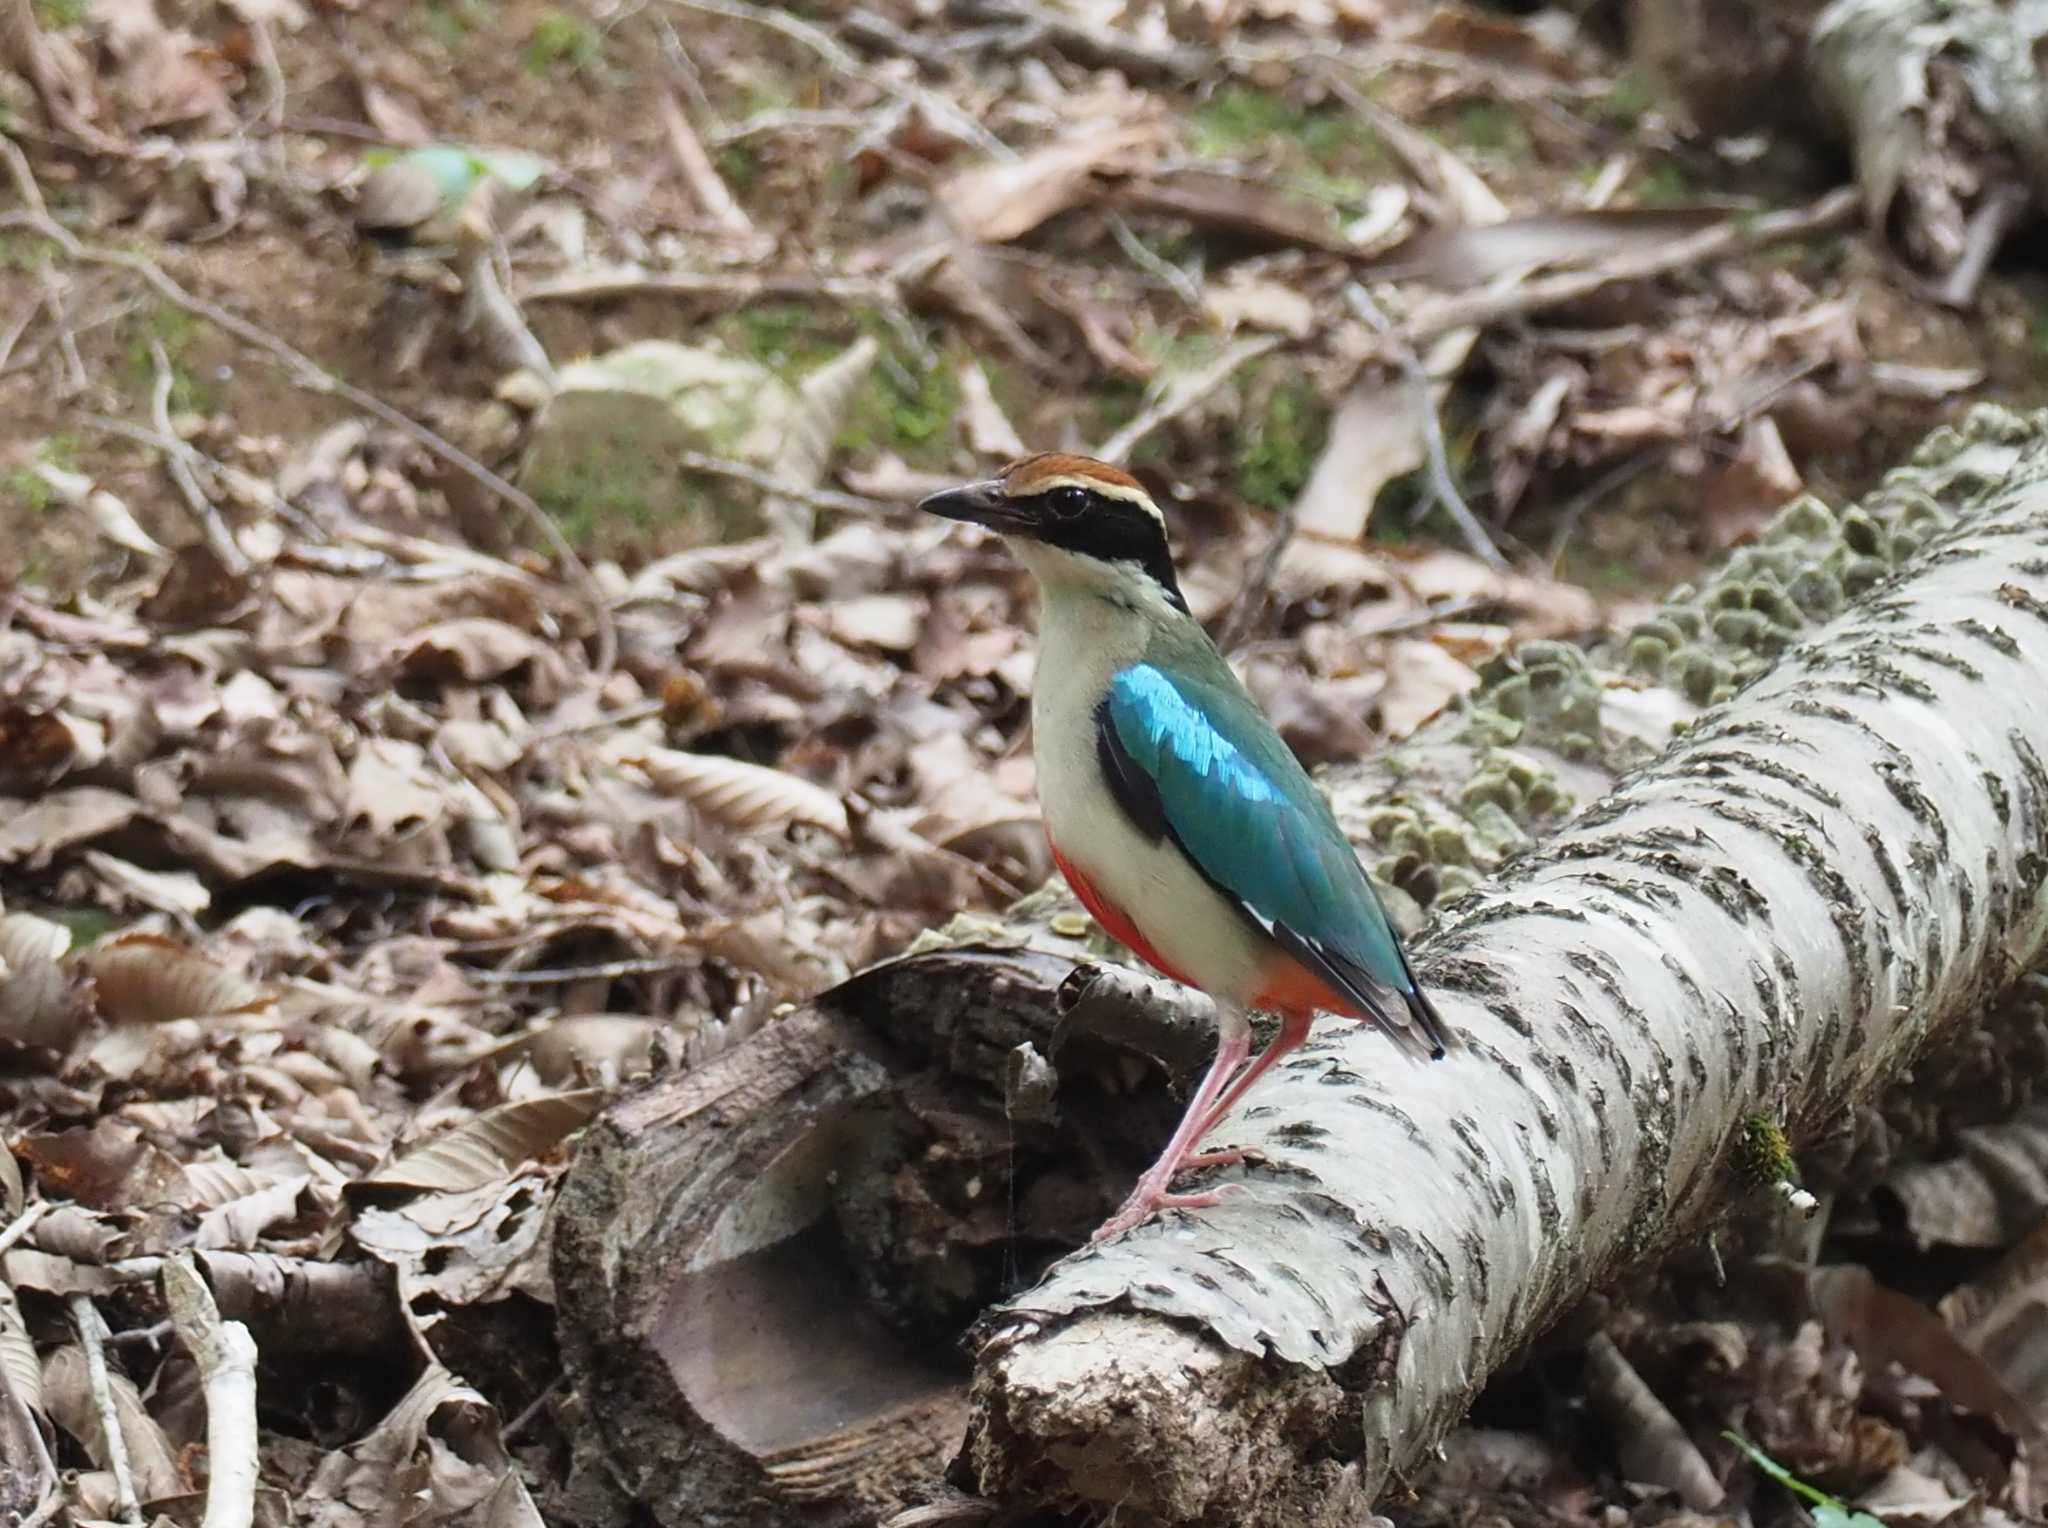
(1227, 1156)
(1152, 1194)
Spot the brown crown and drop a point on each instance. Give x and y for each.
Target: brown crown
(1021, 474)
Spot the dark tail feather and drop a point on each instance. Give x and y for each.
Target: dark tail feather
(1442, 1038)
(1381, 1000)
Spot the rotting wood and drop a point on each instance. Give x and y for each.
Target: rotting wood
(843, 1194)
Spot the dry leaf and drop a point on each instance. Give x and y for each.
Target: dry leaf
(40, 1005)
(746, 797)
(148, 979)
(1471, 255)
(1989, 1196)
(491, 1145)
(2003, 1315)
(1885, 1326)
(891, 622)
(995, 202)
(18, 1361)
(151, 1460)
(1421, 680)
(989, 431)
(1260, 305)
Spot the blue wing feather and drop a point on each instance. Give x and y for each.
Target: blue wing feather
(1195, 761)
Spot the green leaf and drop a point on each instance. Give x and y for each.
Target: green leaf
(457, 167)
(1828, 1511)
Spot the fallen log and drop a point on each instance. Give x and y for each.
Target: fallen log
(763, 1266)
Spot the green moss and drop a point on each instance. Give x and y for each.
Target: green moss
(1280, 443)
(1628, 98)
(1240, 116)
(449, 24)
(1487, 127)
(53, 14)
(738, 165)
(174, 329)
(25, 486)
(1325, 151)
(784, 335)
(560, 40)
(906, 409)
(1665, 184)
(88, 925)
(24, 252)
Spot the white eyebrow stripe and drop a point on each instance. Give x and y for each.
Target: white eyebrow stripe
(1117, 491)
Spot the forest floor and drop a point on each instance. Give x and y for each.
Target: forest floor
(357, 842)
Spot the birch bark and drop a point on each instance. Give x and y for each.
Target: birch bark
(1780, 913)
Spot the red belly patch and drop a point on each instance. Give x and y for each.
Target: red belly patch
(1111, 917)
(1289, 987)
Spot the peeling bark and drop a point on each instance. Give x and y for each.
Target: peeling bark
(762, 1266)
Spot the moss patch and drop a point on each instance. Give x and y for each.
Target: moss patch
(1278, 444)
(562, 41)
(1323, 151)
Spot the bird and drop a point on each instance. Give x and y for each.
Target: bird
(1182, 821)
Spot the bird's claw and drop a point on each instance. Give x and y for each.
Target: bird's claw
(1151, 1194)
(1227, 1156)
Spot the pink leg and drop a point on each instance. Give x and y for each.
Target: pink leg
(1150, 1193)
(1293, 1030)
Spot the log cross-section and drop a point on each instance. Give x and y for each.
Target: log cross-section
(1801, 893)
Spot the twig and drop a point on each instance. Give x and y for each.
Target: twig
(309, 374)
(687, 74)
(935, 107)
(881, 35)
(219, 539)
(532, 1409)
(1185, 393)
(226, 1355)
(1176, 280)
(92, 1333)
(726, 286)
(711, 194)
(1437, 460)
(1473, 309)
(814, 498)
(1252, 597)
(1088, 42)
(21, 42)
(1986, 230)
(270, 69)
(790, 120)
(24, 1223)
(488, 309)
(646, 710)
(67, 341)
(18, 326)
(217, 470)
(650, 965)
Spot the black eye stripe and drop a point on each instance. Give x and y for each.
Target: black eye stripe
(1113, 529)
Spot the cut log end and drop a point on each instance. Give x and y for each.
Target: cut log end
(1158, 1427)
(765, 1266)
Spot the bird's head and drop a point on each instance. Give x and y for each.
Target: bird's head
(1078, 523)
